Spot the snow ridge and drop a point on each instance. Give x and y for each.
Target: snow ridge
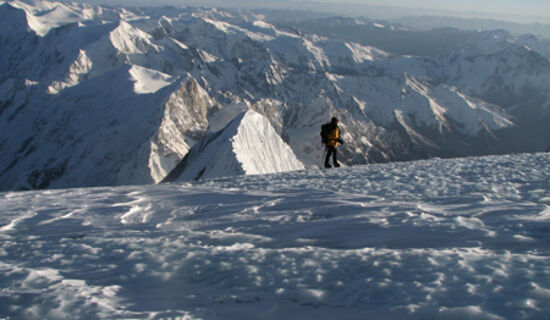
(247, 145)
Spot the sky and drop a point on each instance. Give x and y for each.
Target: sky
(511, 7)
(518, 10)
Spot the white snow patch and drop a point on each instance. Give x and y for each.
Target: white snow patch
(148, 80)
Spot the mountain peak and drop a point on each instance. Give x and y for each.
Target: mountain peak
(247, 145)
(130, 40)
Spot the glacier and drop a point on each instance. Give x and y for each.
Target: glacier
(434, 239)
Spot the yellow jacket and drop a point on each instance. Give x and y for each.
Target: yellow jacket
(333, 136)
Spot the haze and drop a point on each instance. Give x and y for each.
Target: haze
(525, 11)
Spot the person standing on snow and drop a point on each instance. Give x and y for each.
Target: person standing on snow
(330, 135)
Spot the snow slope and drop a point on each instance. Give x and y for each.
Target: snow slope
(438, 239)
(247, 145)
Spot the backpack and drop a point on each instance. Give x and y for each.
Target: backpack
(325, 129)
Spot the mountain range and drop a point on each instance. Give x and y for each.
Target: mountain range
(96, 95)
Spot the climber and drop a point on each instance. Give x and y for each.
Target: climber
(330, 135)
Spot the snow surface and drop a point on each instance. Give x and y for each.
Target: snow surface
(147, 80)
(439, 239)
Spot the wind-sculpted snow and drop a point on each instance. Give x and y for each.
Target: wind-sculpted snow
(438, 239)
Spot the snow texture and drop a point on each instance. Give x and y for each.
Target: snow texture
(439, 239)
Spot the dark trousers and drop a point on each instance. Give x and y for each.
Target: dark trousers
(331, 151)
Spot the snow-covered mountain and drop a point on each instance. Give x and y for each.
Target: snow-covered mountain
(247, 145)
(93, 95)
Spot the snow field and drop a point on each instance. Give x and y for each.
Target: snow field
(439, 239)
